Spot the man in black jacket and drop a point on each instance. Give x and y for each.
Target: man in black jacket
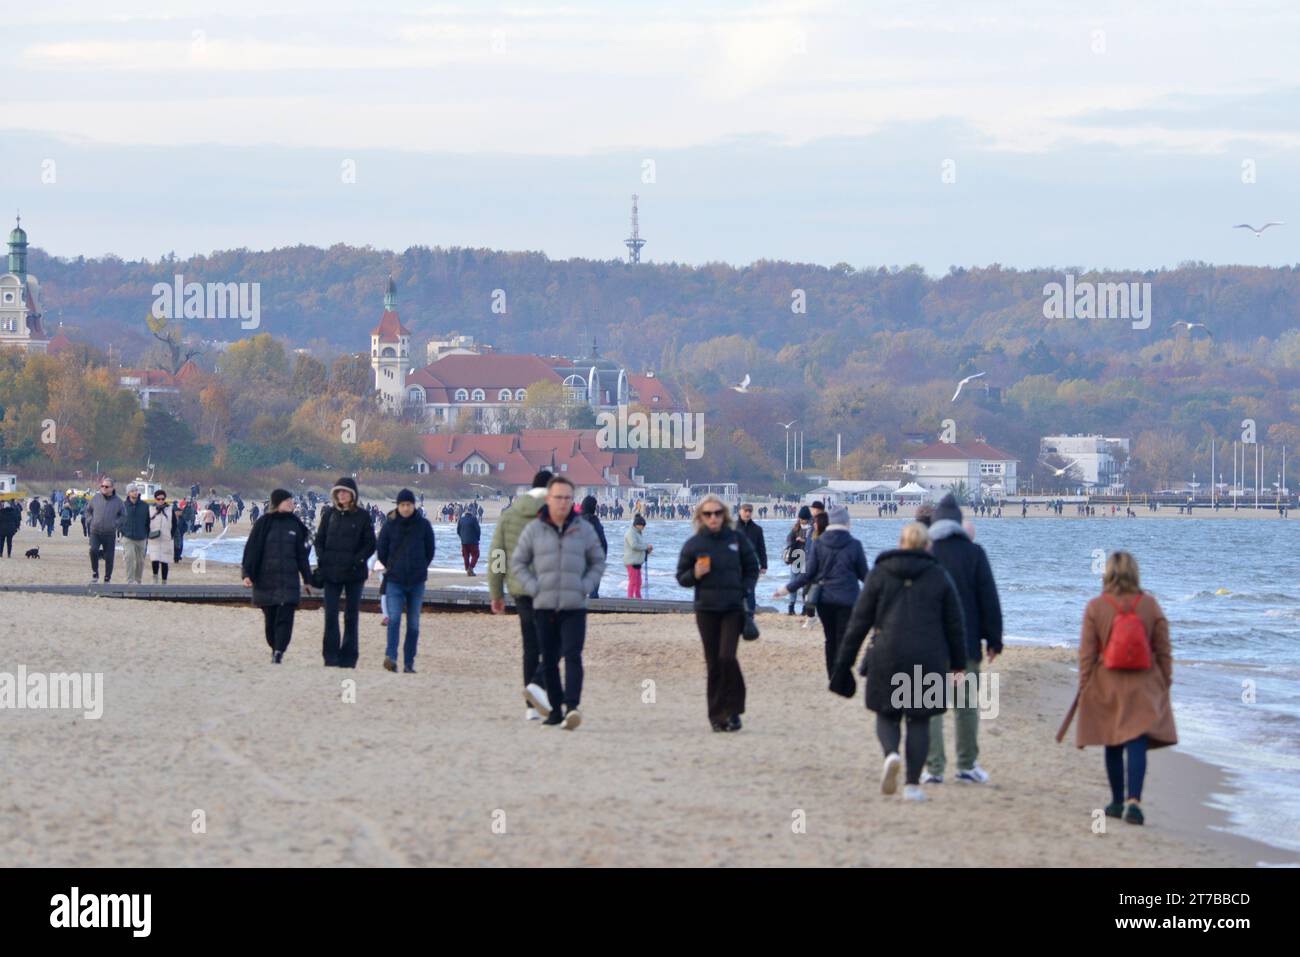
(275, 557)
(589, 512)
(406, 548)
(754, 532)
(969, 569)
(470, 534)
(345, 539)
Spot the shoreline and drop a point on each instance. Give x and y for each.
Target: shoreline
(196, 718)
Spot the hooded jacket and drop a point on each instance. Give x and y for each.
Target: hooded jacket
(913, 605)
(406, 548)
(837, 562)
(105, 514)
(589, 506)
(558, 566)
(505, 537)
(634, 550)
(345, 539)
(968, 566)
(275, 558)
(733, 569)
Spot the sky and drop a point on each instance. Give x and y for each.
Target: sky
(1043, 134)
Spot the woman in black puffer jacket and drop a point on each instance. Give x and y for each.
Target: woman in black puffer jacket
(275, 557)
(345, 539)
(913, 605)
(721, 565)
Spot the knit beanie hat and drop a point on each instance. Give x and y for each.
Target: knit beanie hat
(805, 513)
(405, 495)
(278, 496)
(839, 515)
(947, 509)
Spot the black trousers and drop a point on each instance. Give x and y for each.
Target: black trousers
(725, 687)
(342, 654)
(7, 544)
(835, 621)
(562, 635)
(102, 543)
(533, 672)
(889, 729)
(279, 625)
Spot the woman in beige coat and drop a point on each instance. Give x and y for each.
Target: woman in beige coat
(1128, 712)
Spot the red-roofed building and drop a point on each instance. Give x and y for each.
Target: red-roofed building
(59, 344)
(511, 460)
(649, 390)
(475, 391)
(977, 466)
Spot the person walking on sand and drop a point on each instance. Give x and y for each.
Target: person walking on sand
(105, 515)
(345, 540)
(635, 552)
(721, 565)
(558, 561)
(953, 545)
(135, 534)
(275, 558)
(161, 547)
(590, 513)
(11, 519)
(754, 532)
(405, 549)
(207, 518)
(837, 564)
(65, 516)
(505, 537)
(914, 608)
(1126, 669)
(470, 534)
(796, 547)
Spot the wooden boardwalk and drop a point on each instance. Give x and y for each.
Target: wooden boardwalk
(440, 599)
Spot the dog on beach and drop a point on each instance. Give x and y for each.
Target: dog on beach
(33, 553)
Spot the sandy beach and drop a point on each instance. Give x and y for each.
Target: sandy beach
(429, 769)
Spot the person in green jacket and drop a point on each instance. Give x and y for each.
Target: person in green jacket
(635, 552)
(504, 539)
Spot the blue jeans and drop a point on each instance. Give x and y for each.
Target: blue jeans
(1136, 753)
(401, 598)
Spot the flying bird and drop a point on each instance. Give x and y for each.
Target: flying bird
(962, 383)
(1258, 231)
(1192, 325)
(1062, 471)
(786, 425)
(744, 384)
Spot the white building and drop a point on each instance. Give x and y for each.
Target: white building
(8, 482)
(390, 352)
(846, 491)
(1096, 462)
(20, 309)
(976, 467)
(450, 346)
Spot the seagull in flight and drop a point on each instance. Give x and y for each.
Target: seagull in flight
(962, 384)
(1192, 325)
(744, 384)
(786, 425)
(1258, 231)
(1061, 471)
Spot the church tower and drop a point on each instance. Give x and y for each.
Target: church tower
(390, 352)
(20, 310)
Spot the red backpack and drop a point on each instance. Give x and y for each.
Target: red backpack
(1127, 648)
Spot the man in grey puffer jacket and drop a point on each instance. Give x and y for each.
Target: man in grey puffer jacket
(105, 515)
(559, 562)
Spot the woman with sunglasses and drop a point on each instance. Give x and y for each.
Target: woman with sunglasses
(161, 543)
(722, 566)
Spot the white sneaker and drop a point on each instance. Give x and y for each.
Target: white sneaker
(571, 720)
(889, 777)
(532, 715)
(928, 778)
(536, 696)
(976, 775)
(913, 792)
